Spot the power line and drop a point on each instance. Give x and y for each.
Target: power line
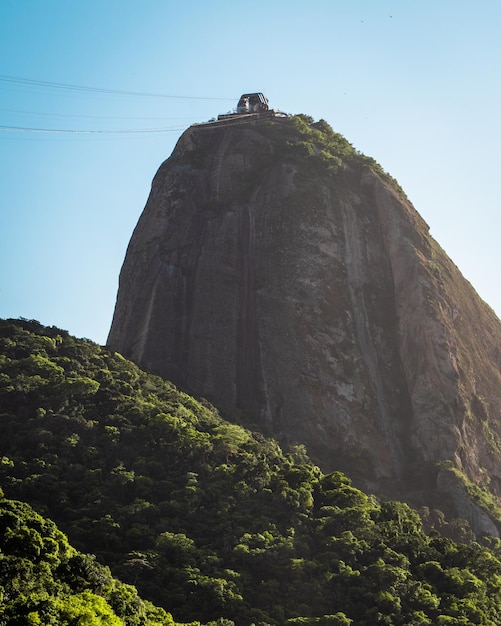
(100, 117)
(20, 129)
(120, 92)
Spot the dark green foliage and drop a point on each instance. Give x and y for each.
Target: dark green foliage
(319, 148)
(44, 581)
(316, 145)
(208, 520)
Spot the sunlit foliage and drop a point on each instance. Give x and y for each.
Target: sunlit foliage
(210, 521)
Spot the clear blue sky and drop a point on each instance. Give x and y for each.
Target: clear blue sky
(413, 83)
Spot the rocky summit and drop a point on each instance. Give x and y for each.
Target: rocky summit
(287, 278)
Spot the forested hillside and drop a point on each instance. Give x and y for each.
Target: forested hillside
(44, 581)
(208, 520)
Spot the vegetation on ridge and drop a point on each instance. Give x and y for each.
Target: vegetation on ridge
(208, 520)
(319, 146)
(44, 581)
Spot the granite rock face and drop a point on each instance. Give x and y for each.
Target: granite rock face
(294, 284)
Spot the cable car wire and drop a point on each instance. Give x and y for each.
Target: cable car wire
(21, 129)
(119, 92)
(97, 117)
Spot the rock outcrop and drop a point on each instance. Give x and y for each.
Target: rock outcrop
(288, 279)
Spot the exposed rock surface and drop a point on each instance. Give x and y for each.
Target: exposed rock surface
(282, 275)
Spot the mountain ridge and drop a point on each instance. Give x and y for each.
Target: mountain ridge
(282, 274)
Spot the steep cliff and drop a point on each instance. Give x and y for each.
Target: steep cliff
(284, 276)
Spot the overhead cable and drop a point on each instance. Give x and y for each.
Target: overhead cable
(99, 117)
(120, 92)
(20, 129)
